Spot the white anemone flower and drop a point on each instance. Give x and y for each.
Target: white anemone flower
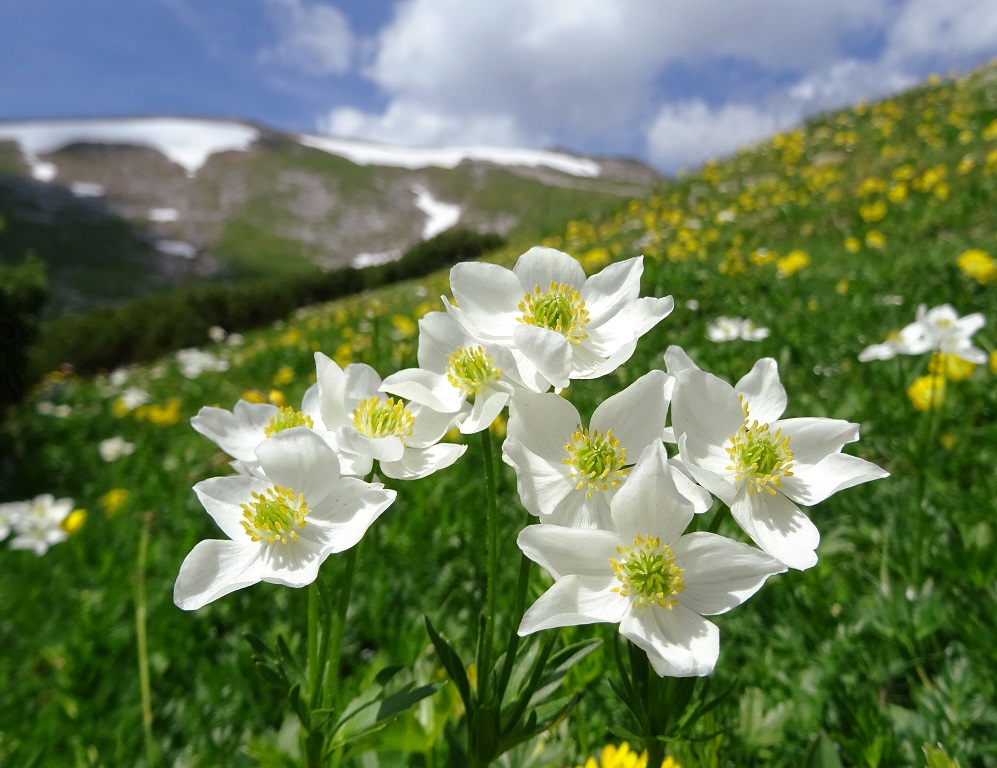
(762, 466)
(113, 448)
(456, 375)
(939, 329)
(404, 439)
(645, 575)
(36, 523)
(238, 432)
(733, 328)
(558, 324)
(281, 529)
(567, 474)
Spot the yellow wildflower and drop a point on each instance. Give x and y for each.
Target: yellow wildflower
(74, 521)
(113, 500)
(284, 376)
(873, 211)
(978, 265)
(405, 326)
(163, 415)
(852, 244)
(253, 396)
(842, 286)
(927, 392)
(947, 440)
(950, 366)
(277, 398)
(624, 757)
(966, 165)
(792, 263)
(990, 132)
(875, 239)
(897, 192)
(993, 361)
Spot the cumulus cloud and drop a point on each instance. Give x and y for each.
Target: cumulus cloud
(584, 73)
(313, 37)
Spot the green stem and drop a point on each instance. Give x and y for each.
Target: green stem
(313, 650)
(491, 523)
(522, 585)
(330, 677)
(142, 641)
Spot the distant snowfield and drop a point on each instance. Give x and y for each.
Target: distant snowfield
(187, 142)
(439, 215)
(448, 157)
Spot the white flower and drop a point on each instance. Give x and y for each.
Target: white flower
(217, 334)
(404, 439)
(567, 474)
(281, 529)
(238, 432)
(732, 328)
(939, 329)
(37, 523)
(118, 377)
(456, 375)
(558, 324)
(133, 397)
(644, 574)
(193, 362)
(760, 466)
(114, 448)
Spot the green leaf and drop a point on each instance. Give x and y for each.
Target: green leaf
(452, 664)
(823, 753)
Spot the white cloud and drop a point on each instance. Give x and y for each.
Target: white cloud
(314, 37)
(584, 73)
(687, 134)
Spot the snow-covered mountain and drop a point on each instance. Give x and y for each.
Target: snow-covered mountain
(209, 196)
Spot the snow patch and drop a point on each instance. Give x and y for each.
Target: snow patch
(86, 189)
(176, 248)
(163, 215)
(42, 171)
(440, 216)
(448, 157)
(187, 142)
(362, 260)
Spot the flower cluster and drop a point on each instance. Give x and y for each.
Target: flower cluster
(613, 507)
(39, 523)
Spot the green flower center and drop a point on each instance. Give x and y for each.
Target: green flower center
(470, 369)
(647, 573)
(560, 309)
(274, 515)
(374, 417)
(760, 456)
(286, 418)
(596, 460)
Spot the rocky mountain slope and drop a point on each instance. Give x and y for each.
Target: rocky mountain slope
(125, 206)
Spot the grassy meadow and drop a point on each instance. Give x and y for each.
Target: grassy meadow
(883, 654)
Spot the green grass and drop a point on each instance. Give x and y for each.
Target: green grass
(853, 652)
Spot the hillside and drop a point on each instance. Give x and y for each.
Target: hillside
(880, 655)
(120, 207)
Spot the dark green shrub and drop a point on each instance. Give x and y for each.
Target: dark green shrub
(23, 290)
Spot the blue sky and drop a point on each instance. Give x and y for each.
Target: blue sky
(670, 81)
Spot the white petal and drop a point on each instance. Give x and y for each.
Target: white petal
(213, 569)
(632, 322)
(487, 298)
(488, 404)
(685, 482)
(222, 498)
(763, 393)
(811, 484)
(548, 350)
(677, 360)
(813, 438)
(541, 483)
(636, 415)
(707, 411)
(346, 517)
(721, 484)
(540, 266)
(570, 551)
(300, 460)
(428, 427)
(294, 564)
(380, 448)
(439, 336)
(420, 462)
(648, 503)
(237, 433)
(577, 510)
(332, 390)
(425, 387)
(575, 600)
(586, 363)
(678, 642)
(543, 424)
(605, 294)
(720, 573)
(777, 525)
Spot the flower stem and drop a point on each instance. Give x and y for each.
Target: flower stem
(330, 677)
(491, 522)
(142, 641)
